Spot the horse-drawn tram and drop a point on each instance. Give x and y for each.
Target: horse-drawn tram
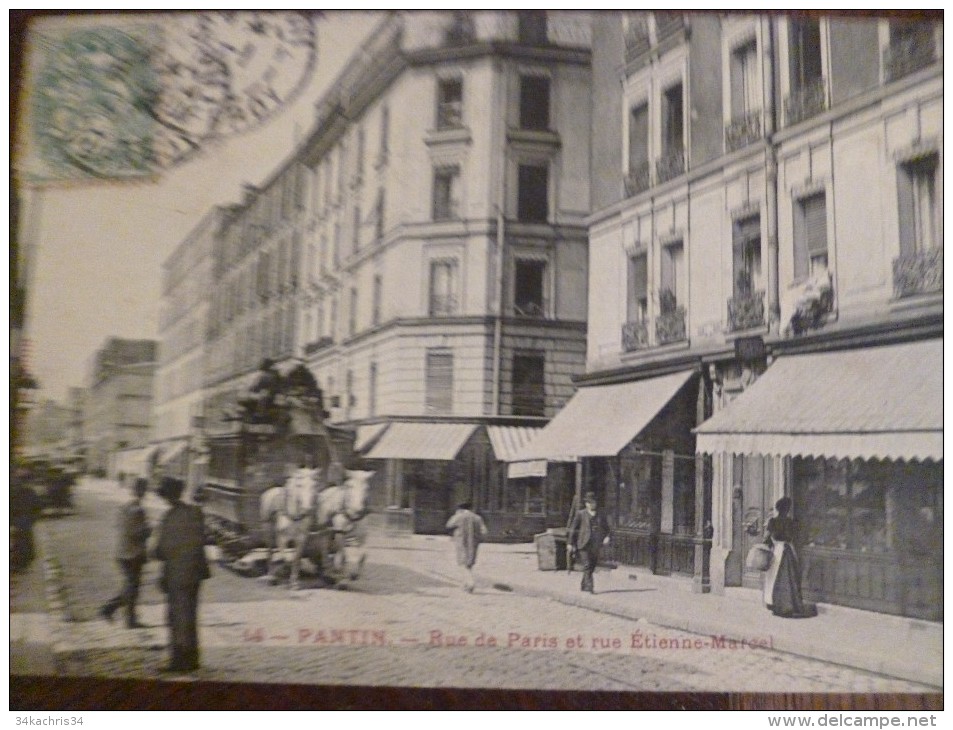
(278, 484)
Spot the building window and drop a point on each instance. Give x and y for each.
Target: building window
(443, 287)
(385, 133)
(912, 47)
(378, 288)
(917, 199)
(333, 325)
(637, 308)
(529, 295)
(810, 236)
(352, 313)
(449, 103)
(746, 245)
(529, 385)
(349, 399)
(439, 382)
(356, 230)
(638, 175)
(359, 161)
(379, 215)
(805, 70)
(673, 120)
(534, 102)
(745, 95)
(673, 285)
(460, 30)
(372, 390)
(532, 27)
(446, 193)
(533, 192)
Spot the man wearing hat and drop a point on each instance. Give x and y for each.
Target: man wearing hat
(588, 532)
(181, 546)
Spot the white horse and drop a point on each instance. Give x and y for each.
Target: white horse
(310, 521)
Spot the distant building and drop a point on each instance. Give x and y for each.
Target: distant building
(76, 431)
(47, 429)
(119, 399)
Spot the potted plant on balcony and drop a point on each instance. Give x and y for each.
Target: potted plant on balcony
(816, 301)
(670, 325)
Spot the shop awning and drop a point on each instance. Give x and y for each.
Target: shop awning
(874, 403)
(508, 440)
(422, 441)
(367, 435)
(600, 420)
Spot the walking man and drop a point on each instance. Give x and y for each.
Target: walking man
(588, 532)
(468, 529)
(181, 546)
(131, 555)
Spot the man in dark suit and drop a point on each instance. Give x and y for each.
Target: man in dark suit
(131, 555)
(588, 532)
(181, 546)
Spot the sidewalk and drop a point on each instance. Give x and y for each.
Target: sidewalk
(905, 648)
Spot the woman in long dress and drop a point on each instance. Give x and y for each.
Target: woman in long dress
(782, 581)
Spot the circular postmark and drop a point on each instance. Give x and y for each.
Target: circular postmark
(129, 101)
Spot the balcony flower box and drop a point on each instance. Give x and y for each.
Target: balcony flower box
(670, 165)
(670, 327)
(813, 305)
(745, 311)
(742, 132)
(635, 336)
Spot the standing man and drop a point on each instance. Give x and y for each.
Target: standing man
(181, 546)
(468, 529)
(131, 555)
(588, 532)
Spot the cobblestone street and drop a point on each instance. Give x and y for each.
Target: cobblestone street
(404, 623)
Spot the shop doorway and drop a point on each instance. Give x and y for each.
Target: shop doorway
(752, 504)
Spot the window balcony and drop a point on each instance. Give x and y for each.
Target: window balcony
(745, 311)
(907, 55)
(635, 336)
(807, 101)
(670, 165)
(670, 327)
(918, 273)
(638, 179)
(742, 132)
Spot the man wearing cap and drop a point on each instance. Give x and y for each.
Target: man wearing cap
(181, 547)
(588, 532)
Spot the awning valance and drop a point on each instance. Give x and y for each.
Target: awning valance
(874, 403)
(522, 469)
(600, 420)
(422, 441)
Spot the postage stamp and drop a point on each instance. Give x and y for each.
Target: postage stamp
(119, 102)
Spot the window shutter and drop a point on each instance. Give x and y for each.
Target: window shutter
(737, 71)
(815, 224)
(638, 284)
(439, 382)
(905, 211)
(638, 137)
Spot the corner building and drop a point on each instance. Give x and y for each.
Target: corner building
(444, 255)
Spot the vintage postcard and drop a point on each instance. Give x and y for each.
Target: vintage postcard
(491, 351)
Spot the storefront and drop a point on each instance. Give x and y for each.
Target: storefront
(632, 444)
(855, 437)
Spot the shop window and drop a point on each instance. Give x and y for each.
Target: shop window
(439, 382)
(443, 288)
(446, 193)
(532, 27)
(637, 308)
(449, 103)
(535, 503)
(810, 236)
(529, 299)
(529, 385)
(917, 199)
(534, 102)
(635, 495)
(533, 193)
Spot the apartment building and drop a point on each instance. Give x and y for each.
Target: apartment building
(765, 240)
(444, 260)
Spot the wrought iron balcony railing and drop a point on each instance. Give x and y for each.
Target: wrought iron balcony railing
(918, 273)
(907, 55)
(806, 101)
(743, 131)
(670, 327)
(638, 179)
(670, 165)
(635, 336)
(745, 311)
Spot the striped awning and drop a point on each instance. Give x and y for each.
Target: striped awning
(422, 441)
(873, 403)
(508, 440)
